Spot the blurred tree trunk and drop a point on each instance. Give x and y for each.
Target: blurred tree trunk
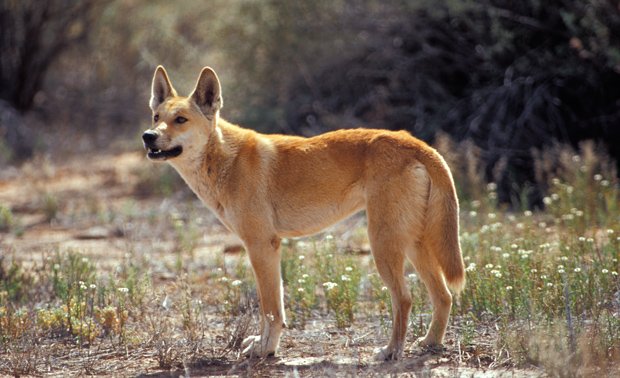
(32, 35)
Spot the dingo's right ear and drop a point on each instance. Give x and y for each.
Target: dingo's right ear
(161, 89)
(208, 92)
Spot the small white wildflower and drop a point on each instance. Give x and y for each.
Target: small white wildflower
(301, 281)
(498, 275)
(614, 273)
(505, 255)
(576, 158)
(329, 285)
(83, 287)
(555, 196)
(123, 290)
(236, 283)
(514, 246)
(549, 284)
(560, 266)
(598, 177)
(301, 257)
(167, 303)
(466, 258)
(84, 259)
(93, 286)
(471, 267)
(605, 271)
(489, 266)
(590, 240)
(224, 279)
(412, 276)
(605, 183)
(568, 217)
(305, 275)
(475, 204)
(329, 237)
(582, 239)
(384, 288)
(492, 215)
(527, 213)
(348, 269)
(491, 186)
(472, 214)
(569, 189)
(301, 289)
(345, 278)
(492, 195)
(508, 288)
(520, 226)
(534, 270)
(564, 258)
(302, 245)
(561, 271)
(81, 283)
(610, 231)
(555, 181)
(270, 317)
(577, 270)
(543, 277)
(547, 200)
(56, 266)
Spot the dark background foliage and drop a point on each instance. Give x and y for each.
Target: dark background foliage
(511, 76)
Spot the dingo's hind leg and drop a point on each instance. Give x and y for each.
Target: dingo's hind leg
(388, 250)
(431, 275)
(389, 260)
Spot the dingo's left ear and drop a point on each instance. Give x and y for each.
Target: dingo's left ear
(208, 93)
(161, 89)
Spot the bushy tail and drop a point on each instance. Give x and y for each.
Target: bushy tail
(441, 236)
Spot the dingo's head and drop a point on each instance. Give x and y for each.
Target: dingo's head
(182, 125)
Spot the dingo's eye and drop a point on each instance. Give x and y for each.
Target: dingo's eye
(156, 118)
(180, 120)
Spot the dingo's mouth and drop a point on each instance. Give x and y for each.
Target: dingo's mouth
(157, 154)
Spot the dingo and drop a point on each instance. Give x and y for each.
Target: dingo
(266, 187)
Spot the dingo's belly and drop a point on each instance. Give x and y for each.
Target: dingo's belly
(307, 213)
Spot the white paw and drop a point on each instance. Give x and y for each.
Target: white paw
(253, 347)
(387, 354)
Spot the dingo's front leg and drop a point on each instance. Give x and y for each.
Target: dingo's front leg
(265, 259)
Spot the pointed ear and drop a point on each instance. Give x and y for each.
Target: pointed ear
(161, 88)
(208, 93)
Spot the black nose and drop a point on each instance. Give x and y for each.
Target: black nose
(149, 137)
